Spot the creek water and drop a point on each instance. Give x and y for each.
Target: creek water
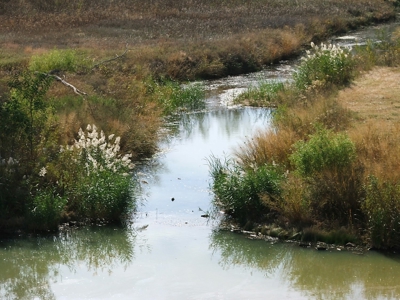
(170, 251)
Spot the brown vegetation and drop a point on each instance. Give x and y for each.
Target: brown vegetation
(375, 97)
(183, 39)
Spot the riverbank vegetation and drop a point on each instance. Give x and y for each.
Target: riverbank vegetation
(335, 167)
(119, 66)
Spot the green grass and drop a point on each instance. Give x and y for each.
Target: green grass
(58, 61)
(243, 194)
(264, 93)
(174, 97)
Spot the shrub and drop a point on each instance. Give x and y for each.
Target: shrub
(323, 66)
(332, 179)
(382, 208)
(57, 60)
(241, 193)
(323, 150)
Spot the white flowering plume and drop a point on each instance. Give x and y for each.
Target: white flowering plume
(100, 152)
(322, 65)
(332, 51)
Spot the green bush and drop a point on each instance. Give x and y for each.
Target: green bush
(323, 66)
(323, 150)
(331, 178)
(382, 208)
(241, 193)
(62, 60)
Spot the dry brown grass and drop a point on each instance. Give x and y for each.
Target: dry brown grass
(185, 39)
(267, 147)
(375, 97)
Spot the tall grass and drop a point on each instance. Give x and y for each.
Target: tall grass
(244, 194)
(39, 183)
(339, 176)
(382, 209)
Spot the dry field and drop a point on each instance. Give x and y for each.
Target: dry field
(375, 96)
(375, 99)
(181, 39)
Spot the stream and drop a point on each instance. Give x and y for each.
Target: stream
(171, 251)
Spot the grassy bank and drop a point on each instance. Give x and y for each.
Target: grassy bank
(332, 153)
(118, 66)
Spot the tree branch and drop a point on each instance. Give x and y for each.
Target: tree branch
(111, 59)
(58, 78)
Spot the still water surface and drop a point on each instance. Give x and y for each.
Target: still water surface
(171, 252)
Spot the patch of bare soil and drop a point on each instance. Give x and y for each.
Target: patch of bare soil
(375, 95)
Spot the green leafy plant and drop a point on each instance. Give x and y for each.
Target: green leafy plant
(324, 149)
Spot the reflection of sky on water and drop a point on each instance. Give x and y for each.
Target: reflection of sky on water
(183, 173)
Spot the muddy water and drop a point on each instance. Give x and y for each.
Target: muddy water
(171, 252)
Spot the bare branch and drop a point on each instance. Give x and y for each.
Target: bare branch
(111, 59)
(58, 78)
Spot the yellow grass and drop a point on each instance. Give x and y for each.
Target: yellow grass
(375, 97)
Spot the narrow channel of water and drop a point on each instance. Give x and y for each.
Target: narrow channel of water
(171, 252)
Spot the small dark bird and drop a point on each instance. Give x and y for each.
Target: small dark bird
(172, 199)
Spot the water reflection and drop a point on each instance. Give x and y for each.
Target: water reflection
(228, 122)
(30, 265)
(316, 274)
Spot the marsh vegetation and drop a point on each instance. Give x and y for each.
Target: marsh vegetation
(335, 169)
(119, 67)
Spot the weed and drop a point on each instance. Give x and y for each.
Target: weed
(46, 210)
(174, 97)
